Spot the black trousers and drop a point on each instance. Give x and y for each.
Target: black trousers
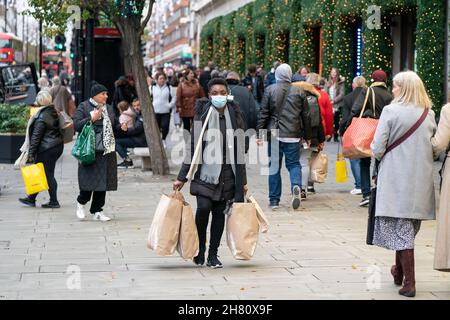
(187, 123)
(98, 200)
(204, 207)
(49, 158)
(337, 120)
(163, 120)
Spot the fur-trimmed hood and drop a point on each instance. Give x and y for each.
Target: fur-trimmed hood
(307, 87)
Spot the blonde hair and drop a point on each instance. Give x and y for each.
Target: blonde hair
(412, 90)
(44, 98)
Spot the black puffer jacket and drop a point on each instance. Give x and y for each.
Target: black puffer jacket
(231, 186)
(294, 119)
(44, 132)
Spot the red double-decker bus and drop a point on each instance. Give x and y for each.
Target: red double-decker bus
(50, 61)
(10, 49)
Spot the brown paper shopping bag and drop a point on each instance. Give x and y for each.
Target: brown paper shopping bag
(262, 220)
(165, 228)
(188, 243)
(242, 230)
(319, 168)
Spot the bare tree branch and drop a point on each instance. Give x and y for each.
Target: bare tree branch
(147, 18)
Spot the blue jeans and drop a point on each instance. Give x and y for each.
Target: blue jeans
(365, 176)
(292, 162)
(356, 171)
(122, 144)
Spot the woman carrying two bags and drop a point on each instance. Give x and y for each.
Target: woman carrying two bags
(220, 176)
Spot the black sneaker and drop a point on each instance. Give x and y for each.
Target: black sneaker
(274, 205)
(213, 262)
(51, 205)
(126, 164)
(28, 202)
(311, 190)
(365, 201)
(200, 259)
(303, 194)
(296, 198)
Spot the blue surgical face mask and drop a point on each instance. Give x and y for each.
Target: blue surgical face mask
(219, 101)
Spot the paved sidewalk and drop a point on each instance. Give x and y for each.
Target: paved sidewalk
(318, 252)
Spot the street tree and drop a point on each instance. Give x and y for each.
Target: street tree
(128, 17)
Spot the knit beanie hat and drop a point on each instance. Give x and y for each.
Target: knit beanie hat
(379, 76)
(97, 88)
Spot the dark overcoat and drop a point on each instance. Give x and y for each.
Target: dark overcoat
(102, 175)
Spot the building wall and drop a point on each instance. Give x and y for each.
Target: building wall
(284, 30)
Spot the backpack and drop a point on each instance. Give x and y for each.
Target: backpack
(170, 91)
(316, 117)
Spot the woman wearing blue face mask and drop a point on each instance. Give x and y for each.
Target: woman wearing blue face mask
(220, 177)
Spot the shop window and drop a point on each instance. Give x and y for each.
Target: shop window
(403, 30)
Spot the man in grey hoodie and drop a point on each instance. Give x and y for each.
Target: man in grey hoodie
(285, 113)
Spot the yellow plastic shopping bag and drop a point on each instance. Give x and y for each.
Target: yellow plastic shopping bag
(34, 178)
(341, 169)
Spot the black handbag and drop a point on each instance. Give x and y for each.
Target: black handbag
(373, 192)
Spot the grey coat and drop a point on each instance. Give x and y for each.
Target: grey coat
(405, 178)
(102, 175)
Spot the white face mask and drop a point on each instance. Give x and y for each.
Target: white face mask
(219, 101)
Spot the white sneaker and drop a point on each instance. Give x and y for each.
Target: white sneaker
(100, 216)
(356, 192)
(81, 211)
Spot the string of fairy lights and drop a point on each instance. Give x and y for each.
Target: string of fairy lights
(286, 30)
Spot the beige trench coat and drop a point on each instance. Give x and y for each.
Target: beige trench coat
(440, 143)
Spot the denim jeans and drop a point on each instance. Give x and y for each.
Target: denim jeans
(365, 176)
(292, 161)
(122, 144)
(356, 171)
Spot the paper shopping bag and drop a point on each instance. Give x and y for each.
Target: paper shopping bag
(341, 169)
(165, 228)
(262, 220)
(188, 243)
(242, 230)
(319, 168)
(34, 178)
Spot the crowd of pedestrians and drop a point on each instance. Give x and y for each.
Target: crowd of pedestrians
(296, 114)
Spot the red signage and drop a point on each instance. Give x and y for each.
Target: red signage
(106, 33)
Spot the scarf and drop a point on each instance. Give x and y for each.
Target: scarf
(213, 153)
(108, 134)
(378, 84)
(22, 160)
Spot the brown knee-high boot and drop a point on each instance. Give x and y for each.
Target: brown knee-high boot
(409, 287)
(396, 270)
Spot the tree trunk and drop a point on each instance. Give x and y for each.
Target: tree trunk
(130, 37)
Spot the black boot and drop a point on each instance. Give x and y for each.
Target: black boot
(28, 201)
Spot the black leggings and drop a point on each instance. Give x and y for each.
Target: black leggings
(163, 120)
(187, 123)
(49, 158)
(204, 207)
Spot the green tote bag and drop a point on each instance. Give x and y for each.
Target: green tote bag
(84, 148)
